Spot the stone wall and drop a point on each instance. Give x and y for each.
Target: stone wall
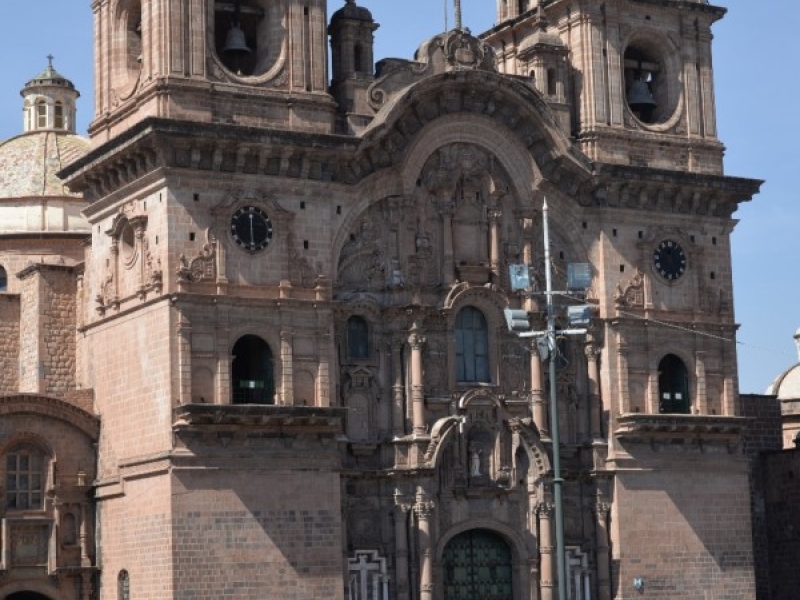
(781, 471)
(9, 349)
(763, 434)
(47, 325)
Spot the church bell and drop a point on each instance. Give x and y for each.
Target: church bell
(640, 97)
(235, 42)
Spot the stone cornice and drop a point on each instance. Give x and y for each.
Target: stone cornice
(706, 428)
(277, 420)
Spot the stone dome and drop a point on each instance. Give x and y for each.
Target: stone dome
(32, 196)
(352, 11)
(29, 163)
(49, 77)
(786, 386)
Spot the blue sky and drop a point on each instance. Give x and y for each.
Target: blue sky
(756, 51)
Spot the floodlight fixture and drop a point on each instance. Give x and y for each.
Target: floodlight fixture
(579, 276)
(519, 276)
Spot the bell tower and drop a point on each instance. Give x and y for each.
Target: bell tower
(257, 63)
(640, 77)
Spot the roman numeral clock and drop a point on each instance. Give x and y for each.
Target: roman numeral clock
(669, 260)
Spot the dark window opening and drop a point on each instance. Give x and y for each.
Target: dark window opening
(3, 279)
(551, 82)
(357, 338)
(673, 386)
(252, 376)
(472, 346)
(123, 585)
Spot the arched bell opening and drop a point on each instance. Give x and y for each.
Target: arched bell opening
(252, 374)
(673, 386)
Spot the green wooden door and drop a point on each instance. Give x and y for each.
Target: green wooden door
(477, 566)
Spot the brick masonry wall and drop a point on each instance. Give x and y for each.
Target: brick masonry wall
(781, 471)
(682, 530)
(134, 535)
(763, 434)
(9, 349)
(257, 534)
(129, 365)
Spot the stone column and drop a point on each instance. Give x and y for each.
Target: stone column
(416, 340)
(593, 391)
(494, 242)
(84, 535)
(537, 395)
(622, 376)
(402, 509)
(448, 256)
(398, 390)
(424, 510)
(701, 401)
(602, 510)
(184, 331)
(652, 393)
(324, 370)
(546, 550)
(287, 375)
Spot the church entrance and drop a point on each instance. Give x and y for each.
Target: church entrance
(477, 566)
(27, 596)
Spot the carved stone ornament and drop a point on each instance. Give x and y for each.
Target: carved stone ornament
(632, 295)
(203, 266)
(301, 273)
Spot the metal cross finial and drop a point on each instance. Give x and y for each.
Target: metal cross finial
(458, 14)
(50, 58)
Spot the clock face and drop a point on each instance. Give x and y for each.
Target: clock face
(251, 228)
(669, 260)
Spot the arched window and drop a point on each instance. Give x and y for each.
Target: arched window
(477, 564)
(472, 346)
(673, 386)
(123, 585)
(69, 530)
(24, 477)
(358, 59)
(58, 115)
(3, 279)
(357, 338)
(252, 376)
(41, 114)
(551, 82)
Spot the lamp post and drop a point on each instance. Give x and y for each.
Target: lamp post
(579, 276)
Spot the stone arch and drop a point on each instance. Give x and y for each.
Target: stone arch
(521, 556)
(30, 590)
(55, 408)
(253, 378)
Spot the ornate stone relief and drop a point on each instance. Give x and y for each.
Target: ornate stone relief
(301, 273)
(631, 294)
(362, 261)
(456, 50)
(203, 266)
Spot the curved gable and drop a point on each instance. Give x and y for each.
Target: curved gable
(54, 408)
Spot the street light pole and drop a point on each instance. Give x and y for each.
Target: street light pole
(558, 497)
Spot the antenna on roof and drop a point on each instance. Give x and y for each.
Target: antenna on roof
(445, 16)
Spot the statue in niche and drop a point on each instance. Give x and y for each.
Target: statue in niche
(475, 462)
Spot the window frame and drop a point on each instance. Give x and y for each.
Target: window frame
(468, 367)
(29, 491)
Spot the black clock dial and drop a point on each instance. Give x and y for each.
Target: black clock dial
(251, 228)
(670, 260)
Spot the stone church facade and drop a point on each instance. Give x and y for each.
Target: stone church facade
(269, 357)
